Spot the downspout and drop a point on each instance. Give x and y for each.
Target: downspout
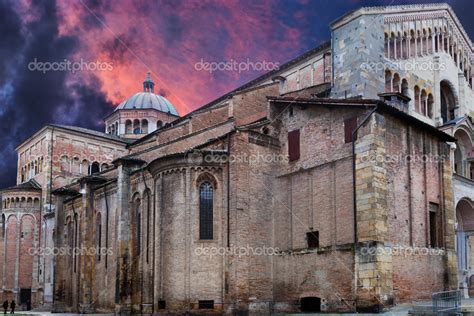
(354, 191)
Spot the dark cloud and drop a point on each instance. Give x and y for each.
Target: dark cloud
(184, 33)
(31, 99)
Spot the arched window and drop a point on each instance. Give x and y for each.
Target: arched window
(412, 44)
(147, 221)
(128, 127)
(417, 99)
(144, 126)
(136, 127)
(85, 165)
(159, 123)
(448, 101)
(76, 165)
(424, 102)
(396, 83)
(95, 168)
(64, 161)
(2, 226)
(137, 227)
(430, 105)
(388, 81)
(206, 210)
(99, 235)
(405, 88)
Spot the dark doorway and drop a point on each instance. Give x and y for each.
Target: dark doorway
(310, 304)
(25, 296)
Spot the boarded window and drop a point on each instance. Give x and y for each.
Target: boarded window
(349, 126)
(207, 304)
(313, 239)
(161, 304)
(294, 145)
(435, 226)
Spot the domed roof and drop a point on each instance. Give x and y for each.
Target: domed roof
(148, 100)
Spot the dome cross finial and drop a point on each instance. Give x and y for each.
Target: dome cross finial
(148, 84)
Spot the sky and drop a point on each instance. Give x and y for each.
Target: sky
(71, 62)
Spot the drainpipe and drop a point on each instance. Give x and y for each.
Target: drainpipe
(354, 134)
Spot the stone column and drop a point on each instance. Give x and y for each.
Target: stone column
(373, 268)
(87, 262)
(449, 214)
(437, 92)
(60, 261)
(16, 288)
(123, 298)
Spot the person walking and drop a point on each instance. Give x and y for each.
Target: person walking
(12, 307)
(5, 306)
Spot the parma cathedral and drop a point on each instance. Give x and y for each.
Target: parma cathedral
(341, 181)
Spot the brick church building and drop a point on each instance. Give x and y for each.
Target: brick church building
(342, 181)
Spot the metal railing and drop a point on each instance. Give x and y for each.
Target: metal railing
(447, 303)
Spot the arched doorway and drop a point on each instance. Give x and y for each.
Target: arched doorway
(448, 101)
(465, 242)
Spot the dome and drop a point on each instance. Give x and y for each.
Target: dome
(148, 99)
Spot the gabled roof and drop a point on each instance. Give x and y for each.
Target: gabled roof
(30, 185)
(381, 107)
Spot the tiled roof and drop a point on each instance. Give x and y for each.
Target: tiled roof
(91, 132)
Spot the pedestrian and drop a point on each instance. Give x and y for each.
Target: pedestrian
(12, 307)
(5, 306)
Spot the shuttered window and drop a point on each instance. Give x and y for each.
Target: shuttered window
(349, 126)
(294, 145)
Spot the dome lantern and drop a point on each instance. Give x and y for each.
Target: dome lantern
(148, 84)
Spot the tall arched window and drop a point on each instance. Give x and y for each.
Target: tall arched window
(206, 210)
(417, 99)
(430, 105)
(396, 83)
(405, 88)
(2, 226)
(388, 81)
(424, 102)
(137, 223)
